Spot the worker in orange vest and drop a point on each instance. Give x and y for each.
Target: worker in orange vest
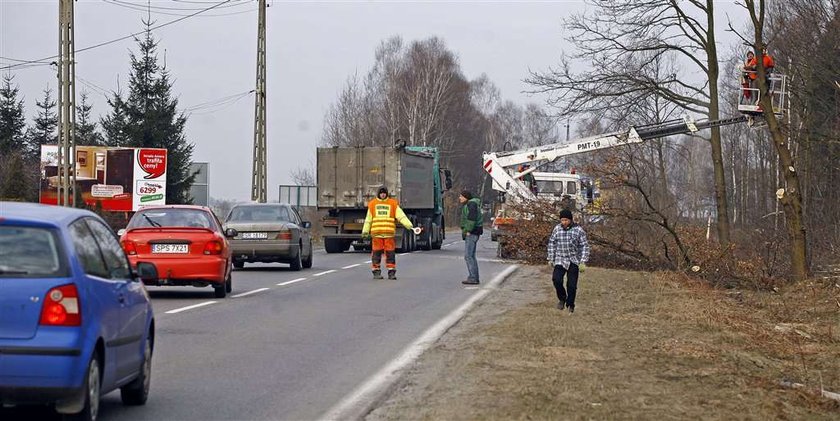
(380, 224)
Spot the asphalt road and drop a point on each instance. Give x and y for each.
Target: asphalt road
(290, 345)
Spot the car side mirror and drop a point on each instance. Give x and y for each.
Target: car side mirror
(230, 233)
(147, 271)
(121, 232)
(306, 224)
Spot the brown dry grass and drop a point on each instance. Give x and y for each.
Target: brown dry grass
(649, 346)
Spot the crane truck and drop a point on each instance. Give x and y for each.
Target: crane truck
(505, 168)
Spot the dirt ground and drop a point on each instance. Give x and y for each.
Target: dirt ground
(639, 346)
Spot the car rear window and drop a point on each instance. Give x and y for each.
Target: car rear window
(259, 214)
(29, 252)
(156, 218)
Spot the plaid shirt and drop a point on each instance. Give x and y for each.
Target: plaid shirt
(568, 246)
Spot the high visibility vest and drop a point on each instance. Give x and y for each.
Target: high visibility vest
(383, 215)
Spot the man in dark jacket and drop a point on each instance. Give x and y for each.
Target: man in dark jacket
(472, 222)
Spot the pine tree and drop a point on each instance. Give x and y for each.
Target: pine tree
(152, 119)
(114, 125)
(86, 133)
(44, 131)
(14, 178)
(12, 118)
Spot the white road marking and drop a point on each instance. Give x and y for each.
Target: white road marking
(250, 292)
(324, 272)
(281, 284)
(351, 266)
(402, 254)
(178, 310)
(362, 399)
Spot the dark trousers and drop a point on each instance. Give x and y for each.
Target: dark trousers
(568, 294)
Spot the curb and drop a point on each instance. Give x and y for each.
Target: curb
(364, 399)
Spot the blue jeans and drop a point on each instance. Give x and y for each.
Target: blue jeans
(469, 256)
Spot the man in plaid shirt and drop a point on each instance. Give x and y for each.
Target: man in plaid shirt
(568, 252)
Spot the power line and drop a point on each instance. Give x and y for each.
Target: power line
(145, 6)
(174, 21)
(217, 104)
(157, 12)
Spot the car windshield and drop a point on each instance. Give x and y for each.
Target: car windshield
(29, 252)
(259, 214)
(157, 218)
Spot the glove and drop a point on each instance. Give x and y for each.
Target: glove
(582, 267)
(365, 236)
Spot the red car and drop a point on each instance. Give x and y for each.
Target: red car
(186, 243)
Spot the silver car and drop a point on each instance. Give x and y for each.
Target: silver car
(269, 232)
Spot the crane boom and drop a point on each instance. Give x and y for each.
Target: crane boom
(497, 163)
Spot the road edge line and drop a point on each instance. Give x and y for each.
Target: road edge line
(363, 399)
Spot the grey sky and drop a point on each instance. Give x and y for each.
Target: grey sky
(312, 49)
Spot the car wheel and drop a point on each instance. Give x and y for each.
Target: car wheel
(220, 291)
(92, 389)
(238, 265)
(137, 392)
(229, 283)
(333, 245)
(296, 263)
(307, 263)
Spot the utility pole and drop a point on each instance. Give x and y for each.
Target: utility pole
(66, 104)
(258, 183)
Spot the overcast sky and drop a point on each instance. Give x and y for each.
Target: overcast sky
(312, 49)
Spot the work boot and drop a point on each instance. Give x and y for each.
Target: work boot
(377, 274)
(392, 274)
(561, 305)
(470, 281)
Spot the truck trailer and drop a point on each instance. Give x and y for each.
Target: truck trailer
(348, 178)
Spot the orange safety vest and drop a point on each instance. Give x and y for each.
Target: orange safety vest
(383, 215)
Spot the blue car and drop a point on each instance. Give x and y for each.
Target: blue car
(75, 320)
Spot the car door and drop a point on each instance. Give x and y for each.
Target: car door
(101, 302)
(133, 300)
(305, 236)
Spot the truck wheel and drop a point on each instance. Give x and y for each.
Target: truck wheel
(427, 235)
(438, 242)
(333, 245)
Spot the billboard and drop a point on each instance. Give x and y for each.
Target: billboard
(299, 196)
(200, 189)
(118, 179)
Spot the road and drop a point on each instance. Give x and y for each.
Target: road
(290, 345)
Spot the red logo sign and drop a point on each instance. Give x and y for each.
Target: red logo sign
(153, 162)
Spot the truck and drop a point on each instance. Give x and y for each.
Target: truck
(508, 169)
(348, 178)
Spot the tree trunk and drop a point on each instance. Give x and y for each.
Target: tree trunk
(790, 196)
(714, 114)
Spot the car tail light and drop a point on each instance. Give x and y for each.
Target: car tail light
(213, 247)
(284, 235)
(129, 247)
(61, 307)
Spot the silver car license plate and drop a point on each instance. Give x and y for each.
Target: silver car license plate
(171, 248)
(254, 235)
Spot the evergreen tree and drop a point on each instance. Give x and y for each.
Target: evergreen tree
(152, 119)
(12, 118)
(13, 175)
(86, 133)
(44, 131)
(114, 125)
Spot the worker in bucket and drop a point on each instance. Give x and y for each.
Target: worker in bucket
(380, 224)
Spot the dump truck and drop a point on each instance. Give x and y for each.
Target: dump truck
(348, 178)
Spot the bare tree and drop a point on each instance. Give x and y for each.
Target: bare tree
(303, 176)
(620, 41)
(790, 196)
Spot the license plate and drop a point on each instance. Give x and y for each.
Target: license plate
(171, 248)
(254, 235)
